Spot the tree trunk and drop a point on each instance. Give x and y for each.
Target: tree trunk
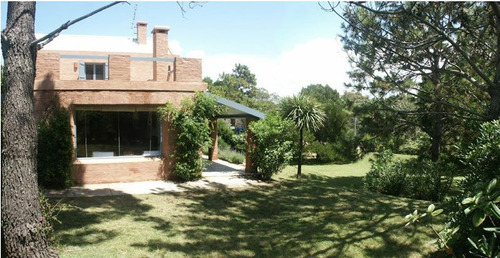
(22, 233)
(494, 90)
(436, 144)
(301, 146)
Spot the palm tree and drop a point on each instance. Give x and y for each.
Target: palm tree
(305, 114)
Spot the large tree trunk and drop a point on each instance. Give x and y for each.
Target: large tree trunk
(22, 234)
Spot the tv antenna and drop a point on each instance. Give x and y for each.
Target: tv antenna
(133, 26)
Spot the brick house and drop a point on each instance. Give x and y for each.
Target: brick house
(112, 87)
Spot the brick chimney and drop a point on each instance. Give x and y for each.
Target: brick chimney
(160, 49)
(142, 28)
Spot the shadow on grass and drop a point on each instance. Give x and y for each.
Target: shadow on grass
(316, 216)
(81, 217)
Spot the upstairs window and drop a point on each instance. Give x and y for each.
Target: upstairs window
(93, 71)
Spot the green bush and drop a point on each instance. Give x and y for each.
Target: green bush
(481, 161)
(55, 148)
(482, 157)
(232, 156)
(49, 217)
(416, 179)
(225, 133)
(385, 175)
(325, 152)
(273, 145)
(193, 133)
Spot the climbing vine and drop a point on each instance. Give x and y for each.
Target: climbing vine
(191, 123)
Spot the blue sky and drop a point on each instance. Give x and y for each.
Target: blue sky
(288, 45)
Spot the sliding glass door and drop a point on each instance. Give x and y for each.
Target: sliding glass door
(113, 134)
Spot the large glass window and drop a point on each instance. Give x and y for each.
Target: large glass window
(108, 134)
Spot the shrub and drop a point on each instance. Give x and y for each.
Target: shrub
(225, 132)
(239, 141)
(55, 148)
(232, 156)
(472, 222)
(192, 126)
(273, 145)
(481, 161)
(325, 152)
(49, 217)
(482, 157)
(385, 175)
(413, 178)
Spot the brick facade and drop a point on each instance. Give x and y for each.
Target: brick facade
(136, 81)
(119, 67)
(187, 69)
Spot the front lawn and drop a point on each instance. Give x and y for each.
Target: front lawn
(325, 214)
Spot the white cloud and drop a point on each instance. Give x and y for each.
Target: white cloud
(315, 61)
(175, 47)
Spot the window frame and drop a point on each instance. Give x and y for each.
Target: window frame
(155, 154)
(82, 73)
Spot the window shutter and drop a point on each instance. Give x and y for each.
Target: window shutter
(81, 70)
(106, 68)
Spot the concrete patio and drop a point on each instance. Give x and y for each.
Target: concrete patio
(218, 174)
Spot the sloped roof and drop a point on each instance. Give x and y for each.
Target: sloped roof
(236, 110)
(111, 44)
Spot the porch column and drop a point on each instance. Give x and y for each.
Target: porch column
(213, 152)
(249, 168)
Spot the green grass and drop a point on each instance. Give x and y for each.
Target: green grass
(326, 214)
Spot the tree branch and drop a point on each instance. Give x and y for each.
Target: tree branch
(41, 42)
(456, 47)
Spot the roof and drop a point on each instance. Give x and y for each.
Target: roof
(236, 110)
(112, 44)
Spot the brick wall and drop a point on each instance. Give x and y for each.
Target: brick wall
(47, 65)
(188, 69)
(141, 70)
(119, 67)
(95, 172)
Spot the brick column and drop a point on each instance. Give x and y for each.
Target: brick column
(213, 152)
(160, 50)
(249, 167)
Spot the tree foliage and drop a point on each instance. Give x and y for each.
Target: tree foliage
(193, 132)
(273, 145)
(443, 56)
(305, 115)
(241, 86)
(55, 148)
(336, 140)
(400, 46)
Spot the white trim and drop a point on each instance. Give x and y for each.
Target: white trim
(116, 159)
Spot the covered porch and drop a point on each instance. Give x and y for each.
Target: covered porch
(234, 111)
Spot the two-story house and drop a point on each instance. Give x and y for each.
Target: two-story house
(112, 87)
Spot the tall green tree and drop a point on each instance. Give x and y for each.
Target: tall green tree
(394, 42)
(433, 52)
(335, 141)
(241, 86)
(306, 115)
(336, 117)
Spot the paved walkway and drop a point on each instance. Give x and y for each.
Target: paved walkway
(217, 175)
